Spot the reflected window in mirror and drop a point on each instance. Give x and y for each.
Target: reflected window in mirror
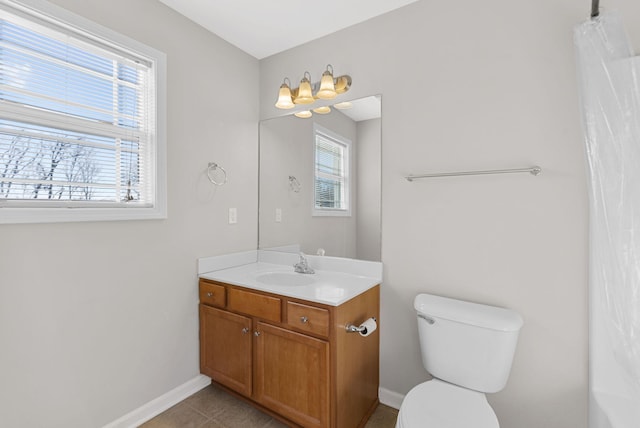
(331, 182)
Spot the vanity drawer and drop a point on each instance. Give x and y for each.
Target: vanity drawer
(308, 318)
(254, 304)
(212, 294)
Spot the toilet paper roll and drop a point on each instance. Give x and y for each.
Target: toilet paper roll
(369, 326)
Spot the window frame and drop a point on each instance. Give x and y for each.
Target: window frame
(341, 140)
(49, 211)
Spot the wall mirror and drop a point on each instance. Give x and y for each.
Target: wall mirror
(319, 181)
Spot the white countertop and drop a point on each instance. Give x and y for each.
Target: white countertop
(326, 286)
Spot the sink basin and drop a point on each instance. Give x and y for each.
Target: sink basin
(285, 278)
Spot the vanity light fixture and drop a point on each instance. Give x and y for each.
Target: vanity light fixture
(328, 88)
(305, 114)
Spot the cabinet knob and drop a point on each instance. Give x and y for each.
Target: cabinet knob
(245, 330)
(209, 294)
(304, 320)
(256, 333)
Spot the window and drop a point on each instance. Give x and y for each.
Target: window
(331, 173)
(79, 113)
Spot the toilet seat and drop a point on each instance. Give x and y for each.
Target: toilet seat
(437, 404)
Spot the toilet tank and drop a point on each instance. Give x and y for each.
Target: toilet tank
(467, 344)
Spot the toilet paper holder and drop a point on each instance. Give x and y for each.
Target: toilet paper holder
(351, 328)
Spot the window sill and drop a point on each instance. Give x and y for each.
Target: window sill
(331, 213)
(10, 215)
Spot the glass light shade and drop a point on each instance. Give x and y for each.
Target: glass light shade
(322, 110)
(343, 106)
(327, 89)
(303, 114)
(305, 95)
(284, 97)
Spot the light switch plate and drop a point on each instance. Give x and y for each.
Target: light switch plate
(233, 215)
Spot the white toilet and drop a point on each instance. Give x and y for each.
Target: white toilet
(468, 348)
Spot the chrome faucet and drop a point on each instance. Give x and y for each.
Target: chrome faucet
(303, 266)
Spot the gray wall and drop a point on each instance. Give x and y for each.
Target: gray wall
(467, 85)
(97, 319)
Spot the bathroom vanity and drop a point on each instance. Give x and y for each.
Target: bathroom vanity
(279, 340)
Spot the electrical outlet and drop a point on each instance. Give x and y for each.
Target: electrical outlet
(278, 215)
(233, 215)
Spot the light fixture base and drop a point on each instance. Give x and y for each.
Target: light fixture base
(343, 83)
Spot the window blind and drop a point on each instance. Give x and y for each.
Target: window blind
(331, 167)
(76, 117)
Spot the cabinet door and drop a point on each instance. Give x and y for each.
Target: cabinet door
(292, 375)
(225, 348)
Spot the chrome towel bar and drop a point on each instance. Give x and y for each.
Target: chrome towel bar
(534, 170)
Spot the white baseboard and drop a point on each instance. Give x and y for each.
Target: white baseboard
(390, 398)
(154, 407)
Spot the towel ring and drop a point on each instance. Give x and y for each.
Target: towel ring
(212, 167)
(294, 184)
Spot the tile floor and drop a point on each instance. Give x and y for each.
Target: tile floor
(214, 408)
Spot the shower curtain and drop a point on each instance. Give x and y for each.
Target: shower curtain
(610, 101)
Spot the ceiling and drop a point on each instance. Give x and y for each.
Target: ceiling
(265, 27)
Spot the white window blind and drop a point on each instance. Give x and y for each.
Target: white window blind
(77, 117)
(331, 178)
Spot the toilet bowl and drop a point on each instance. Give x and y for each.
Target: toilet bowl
(468, 348)
(437, 404)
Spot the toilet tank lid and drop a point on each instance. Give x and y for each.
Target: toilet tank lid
(491, 317)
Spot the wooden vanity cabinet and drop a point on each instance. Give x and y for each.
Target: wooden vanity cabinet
(293, 358)
(226, 348)
(292, 375)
